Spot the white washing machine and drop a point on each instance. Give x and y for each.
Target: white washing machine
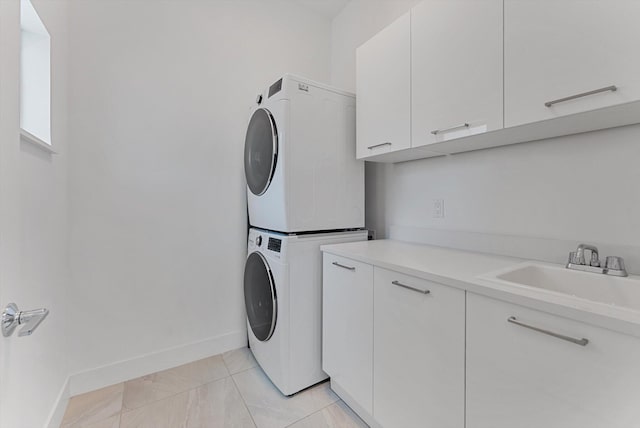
(300, 159)
(283, 299)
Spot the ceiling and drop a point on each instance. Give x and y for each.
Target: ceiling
(328, 8)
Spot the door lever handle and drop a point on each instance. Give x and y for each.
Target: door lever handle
(12, 317)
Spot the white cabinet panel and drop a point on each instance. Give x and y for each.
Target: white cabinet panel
(418, 357)
(456, 54)
(559, 48)
(518, 377)
(383, 87)
(347, 319)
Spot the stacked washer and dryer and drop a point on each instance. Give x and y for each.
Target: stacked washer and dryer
(305, 189)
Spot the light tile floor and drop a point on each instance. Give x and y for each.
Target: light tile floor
(227, 390)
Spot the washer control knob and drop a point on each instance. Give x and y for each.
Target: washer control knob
(259, 99)
(259, 241)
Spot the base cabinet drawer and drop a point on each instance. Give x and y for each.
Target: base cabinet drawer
(347, 326)
(418, 353)
(530, 369)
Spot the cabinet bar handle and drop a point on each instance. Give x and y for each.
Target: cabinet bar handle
(438, 131)
(611, 88)
(581, 342)
(387, 143)
(408, 287)
(343, 266)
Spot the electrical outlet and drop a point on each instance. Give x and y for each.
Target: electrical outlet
(438, 208)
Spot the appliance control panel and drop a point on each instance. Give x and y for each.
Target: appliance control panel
(275, 244)
(266, 243)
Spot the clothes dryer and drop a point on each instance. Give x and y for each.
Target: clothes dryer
(300, 159)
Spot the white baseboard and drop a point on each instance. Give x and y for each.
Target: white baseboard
(57, 413)
(121, 371)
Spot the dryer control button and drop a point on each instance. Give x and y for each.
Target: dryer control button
(259, 241)
(259, 99)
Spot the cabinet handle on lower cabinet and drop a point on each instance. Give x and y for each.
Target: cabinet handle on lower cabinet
(387, 143)
(343, 266)
(581, 342)
(408, 287)
(611, 88)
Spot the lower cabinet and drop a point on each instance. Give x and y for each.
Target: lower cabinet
(550, 377)
(418, 352)
(410, 353)
(347, 327)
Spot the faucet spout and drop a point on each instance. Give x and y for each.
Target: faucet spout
(595, 258)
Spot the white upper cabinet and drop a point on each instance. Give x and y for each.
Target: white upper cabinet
(456, 56)
(383, 87)
(559, 49)
(462, 75)
(418, 357)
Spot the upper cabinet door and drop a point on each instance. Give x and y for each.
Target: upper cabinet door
(565, 56)
(456, 55)
(383, 87)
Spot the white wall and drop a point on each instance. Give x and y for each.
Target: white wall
(36, 366)
(354, 25)
(159, 104)
(581, 188)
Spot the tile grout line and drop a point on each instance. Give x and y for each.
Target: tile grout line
(229, 374)
(244, 402)
(68, 424)
(121, 407)
(243, 370)
(311, 414)
(247, 369)
(322, 408)
(172, 395)
(294, 422)
(124, 409)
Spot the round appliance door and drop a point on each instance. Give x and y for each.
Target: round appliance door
(260, 297)
(260, 151)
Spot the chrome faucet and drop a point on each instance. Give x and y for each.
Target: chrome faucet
(595, 259)
(613, 265)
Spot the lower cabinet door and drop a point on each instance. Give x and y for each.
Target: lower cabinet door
(347, 326)
(418, 358)
(531, 369)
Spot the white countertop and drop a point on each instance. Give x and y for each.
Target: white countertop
(462, 269)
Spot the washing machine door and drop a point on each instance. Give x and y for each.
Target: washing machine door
(260, 151)
(260, 296)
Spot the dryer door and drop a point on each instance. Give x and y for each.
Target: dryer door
(260, 151)
(260, 297)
